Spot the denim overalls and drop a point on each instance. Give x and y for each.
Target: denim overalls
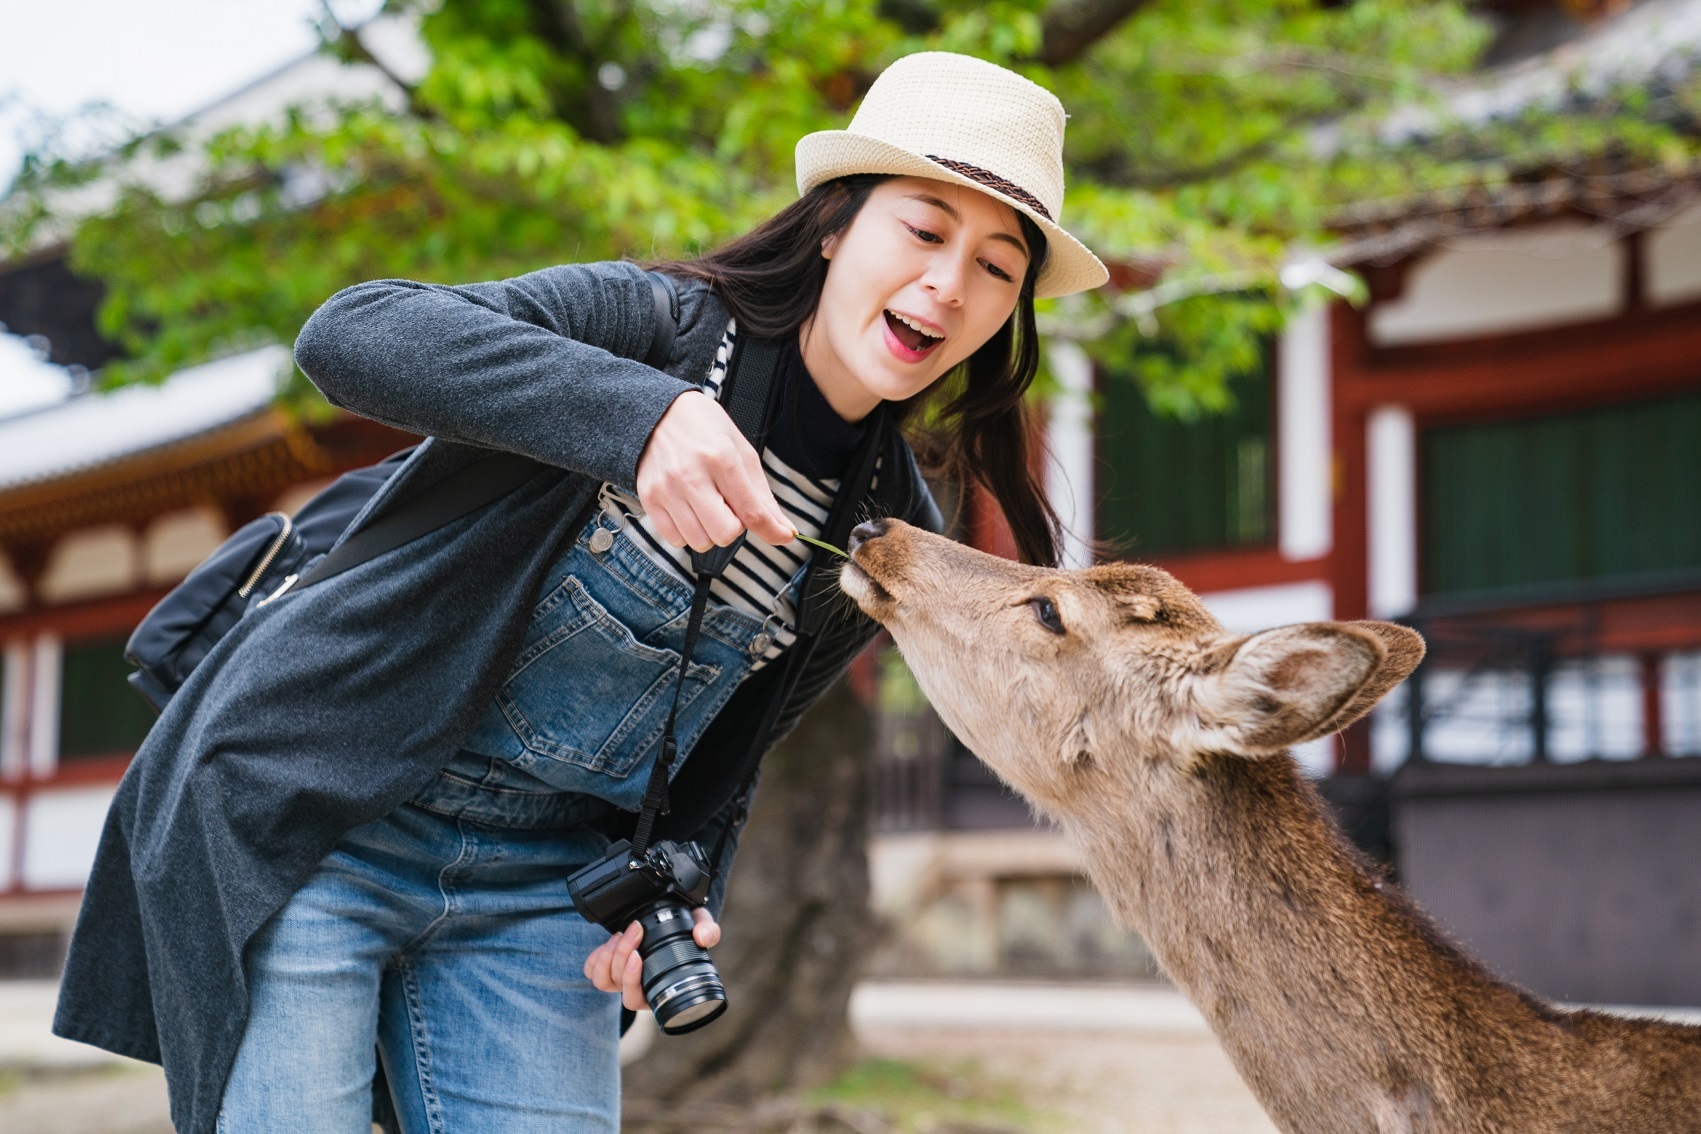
(584, 705)
(454, 906)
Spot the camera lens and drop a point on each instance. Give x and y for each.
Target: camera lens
(680, 981)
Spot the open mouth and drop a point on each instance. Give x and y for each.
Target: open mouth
(910, 340)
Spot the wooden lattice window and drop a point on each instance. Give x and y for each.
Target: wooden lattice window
(1610, 495)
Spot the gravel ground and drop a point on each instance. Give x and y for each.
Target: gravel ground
(1158, 1071)
(119, 1098)
(1098, 1083)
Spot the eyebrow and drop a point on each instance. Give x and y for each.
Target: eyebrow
(951, 211)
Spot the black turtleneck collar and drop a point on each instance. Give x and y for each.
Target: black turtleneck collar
(807, 433)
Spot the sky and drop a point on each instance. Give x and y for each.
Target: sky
(153, 60)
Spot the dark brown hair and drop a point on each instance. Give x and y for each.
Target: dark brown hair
(771, 278)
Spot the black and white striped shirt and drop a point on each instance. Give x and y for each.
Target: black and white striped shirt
(760, 579)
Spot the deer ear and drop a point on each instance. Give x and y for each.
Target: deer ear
(1282, 686)
(1402, 650)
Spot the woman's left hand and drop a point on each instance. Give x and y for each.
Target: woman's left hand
(615, 966)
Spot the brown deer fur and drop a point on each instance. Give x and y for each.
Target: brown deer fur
(1159, 744)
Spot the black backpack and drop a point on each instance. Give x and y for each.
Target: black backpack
(267, 556)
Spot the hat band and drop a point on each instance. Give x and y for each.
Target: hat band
(994, 182)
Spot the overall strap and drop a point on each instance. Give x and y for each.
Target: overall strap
(655, 794)
(747, 396)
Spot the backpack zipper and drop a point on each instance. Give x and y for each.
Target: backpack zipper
(267, 559)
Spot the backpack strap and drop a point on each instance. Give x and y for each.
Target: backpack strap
(666, 329)
(468, 489)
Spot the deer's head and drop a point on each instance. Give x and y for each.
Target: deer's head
(1060, 679)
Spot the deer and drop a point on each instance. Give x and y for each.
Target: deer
(1119, 708)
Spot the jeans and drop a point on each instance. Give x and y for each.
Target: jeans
(453, 948)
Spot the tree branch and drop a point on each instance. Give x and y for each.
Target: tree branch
(350, 48)
(1070, 27)
(592, 110)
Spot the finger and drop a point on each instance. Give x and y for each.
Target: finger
(706, 933)
(662, 520)
(698, 530)
(632, 985)
(691, 533)
(752, 501)
(597, 967)
(715, 517)
(625, 949)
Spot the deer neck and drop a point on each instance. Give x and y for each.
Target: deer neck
(1333, 997)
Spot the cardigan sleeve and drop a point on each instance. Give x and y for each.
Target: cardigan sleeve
(539, 364)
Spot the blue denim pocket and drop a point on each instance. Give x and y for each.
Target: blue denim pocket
(586, 691)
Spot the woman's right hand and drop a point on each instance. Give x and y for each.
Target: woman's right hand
(617, 966)
(701, 482)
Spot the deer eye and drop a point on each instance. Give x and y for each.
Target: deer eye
(1046, 612)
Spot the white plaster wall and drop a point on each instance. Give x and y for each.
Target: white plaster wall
(15, 709)
(1671, 257)
(92, 562)
(1680, 703)
(175, 543)
(8, 840)
(1303, 478)
(1391, 438)
(1069, 474)
(47, 664)
(1515, 280)
(61, 832)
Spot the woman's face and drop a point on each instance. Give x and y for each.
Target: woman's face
(920, 279)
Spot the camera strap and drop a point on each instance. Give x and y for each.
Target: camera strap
(747, 396)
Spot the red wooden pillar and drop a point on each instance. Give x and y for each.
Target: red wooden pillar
(1350, 558)
(1653, 711)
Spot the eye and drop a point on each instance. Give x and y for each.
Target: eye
(928, 237)
(1046, 612)
(1000, 273)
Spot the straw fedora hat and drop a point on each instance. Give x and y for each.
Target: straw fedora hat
(957, 118)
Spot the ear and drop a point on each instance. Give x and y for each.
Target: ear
(1402, 650)
(1282, 686)
(828, 244)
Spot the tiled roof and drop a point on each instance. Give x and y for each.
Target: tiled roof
(84, 431)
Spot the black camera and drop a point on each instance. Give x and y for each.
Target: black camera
(658, 890)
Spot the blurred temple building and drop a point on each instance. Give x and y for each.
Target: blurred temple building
(105, 503)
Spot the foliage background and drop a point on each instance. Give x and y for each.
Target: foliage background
(1208, 140)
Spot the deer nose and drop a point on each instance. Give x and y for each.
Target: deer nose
(867, 530)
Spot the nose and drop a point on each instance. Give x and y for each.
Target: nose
(944, 278)
(865, 531)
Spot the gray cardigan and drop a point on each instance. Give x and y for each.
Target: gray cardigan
(332, 705)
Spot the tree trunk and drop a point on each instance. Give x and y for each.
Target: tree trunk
(796, 924)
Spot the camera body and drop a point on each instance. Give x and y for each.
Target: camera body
(657, 889)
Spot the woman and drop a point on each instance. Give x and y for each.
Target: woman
(351, 825)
